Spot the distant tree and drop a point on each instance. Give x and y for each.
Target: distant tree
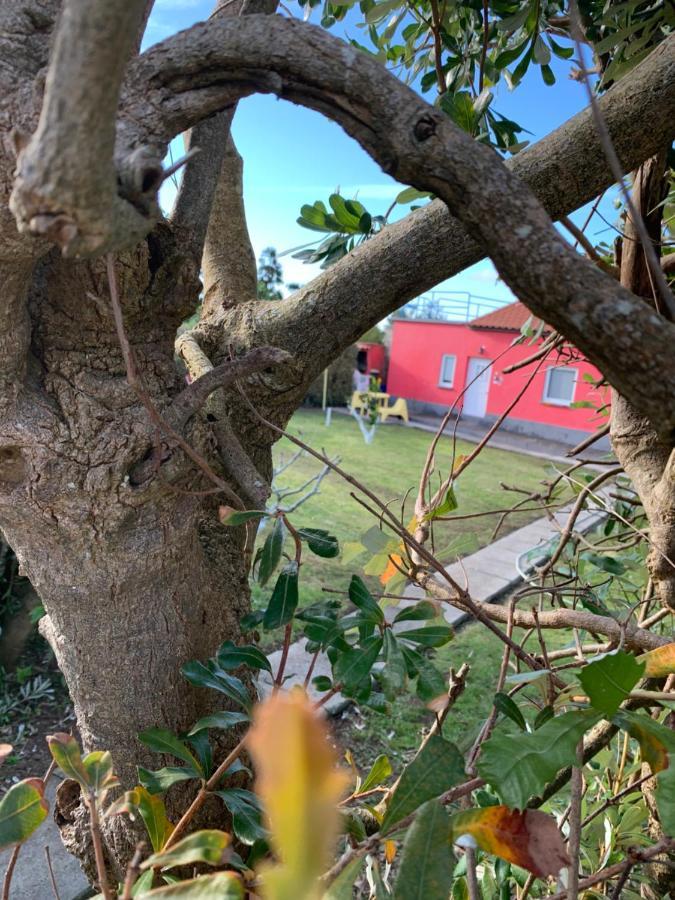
(270, 275)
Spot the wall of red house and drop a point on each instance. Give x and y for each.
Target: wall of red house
(415, 358)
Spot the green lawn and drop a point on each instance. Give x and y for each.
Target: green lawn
(390, 467)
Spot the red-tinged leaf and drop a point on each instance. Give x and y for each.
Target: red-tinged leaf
(22, 810)
(66, 753)
(529, 839)
(660, 662)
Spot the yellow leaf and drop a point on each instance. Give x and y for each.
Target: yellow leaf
(389, 851)
(659, 662)
(299, 784)
(391, 570)
(530, 839)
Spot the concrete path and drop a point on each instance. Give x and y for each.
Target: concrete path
(31, 877)
(473, 431)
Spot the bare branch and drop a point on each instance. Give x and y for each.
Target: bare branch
(633, 638)
(190, 400)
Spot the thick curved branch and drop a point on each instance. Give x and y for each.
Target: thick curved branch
(420, 146)
(193, 397)
(211, 67)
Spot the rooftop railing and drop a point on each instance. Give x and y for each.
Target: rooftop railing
(449, 306)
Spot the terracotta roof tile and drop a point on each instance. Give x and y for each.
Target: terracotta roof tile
(508, 318)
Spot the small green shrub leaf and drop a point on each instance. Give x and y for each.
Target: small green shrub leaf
(208, 846)
(608, 681)
(519, 766)
(436, 768)
(284, 599)
(427, 861)
(22, 810)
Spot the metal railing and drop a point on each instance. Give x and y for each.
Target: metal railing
(449, 306)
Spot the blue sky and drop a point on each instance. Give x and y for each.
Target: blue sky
(294, 156)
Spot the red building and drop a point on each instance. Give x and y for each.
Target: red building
(434, 364)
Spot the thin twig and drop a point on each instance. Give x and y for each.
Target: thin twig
(52, 879)
(132, 870)
(97, 840)
(574, 839)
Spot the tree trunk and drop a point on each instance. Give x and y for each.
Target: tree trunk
(136, 574)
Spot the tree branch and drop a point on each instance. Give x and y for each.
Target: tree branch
(193, 397)
(65, 187)
(420, 146)
(228, 261)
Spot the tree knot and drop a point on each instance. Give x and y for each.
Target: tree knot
(425, 127)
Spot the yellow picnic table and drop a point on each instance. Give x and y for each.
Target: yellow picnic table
(362, 402)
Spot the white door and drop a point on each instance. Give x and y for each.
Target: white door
(477, 386)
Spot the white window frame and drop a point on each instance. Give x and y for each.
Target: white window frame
(451, 383)
(555, 401)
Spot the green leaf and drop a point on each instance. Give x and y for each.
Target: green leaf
(423, 609)
(543, 716)
(208, 846)
(353, 666)
(161, 780)
(320, 542)
(393, 674)
(608, 681)
(348, 220)
(657, 746)
(506, 706)
(410, 194)
(379, 772)
(459, 107)
(246, 814)
(231, 656)
(547, 75)
(562, 53)
(163, 741)
(271, 552)
(437, 767)
(224, 720)
(221, 886)
(363, 599)
(429, 636)
(380, 10)
(210, 676)
(99, 768)
(427, 861)
(447, 505)
(520, 766)
(232, 517)
(607, 563)
(65, 752)
(22, 810)
(151, 809)
(322, 683)
(284, 599)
